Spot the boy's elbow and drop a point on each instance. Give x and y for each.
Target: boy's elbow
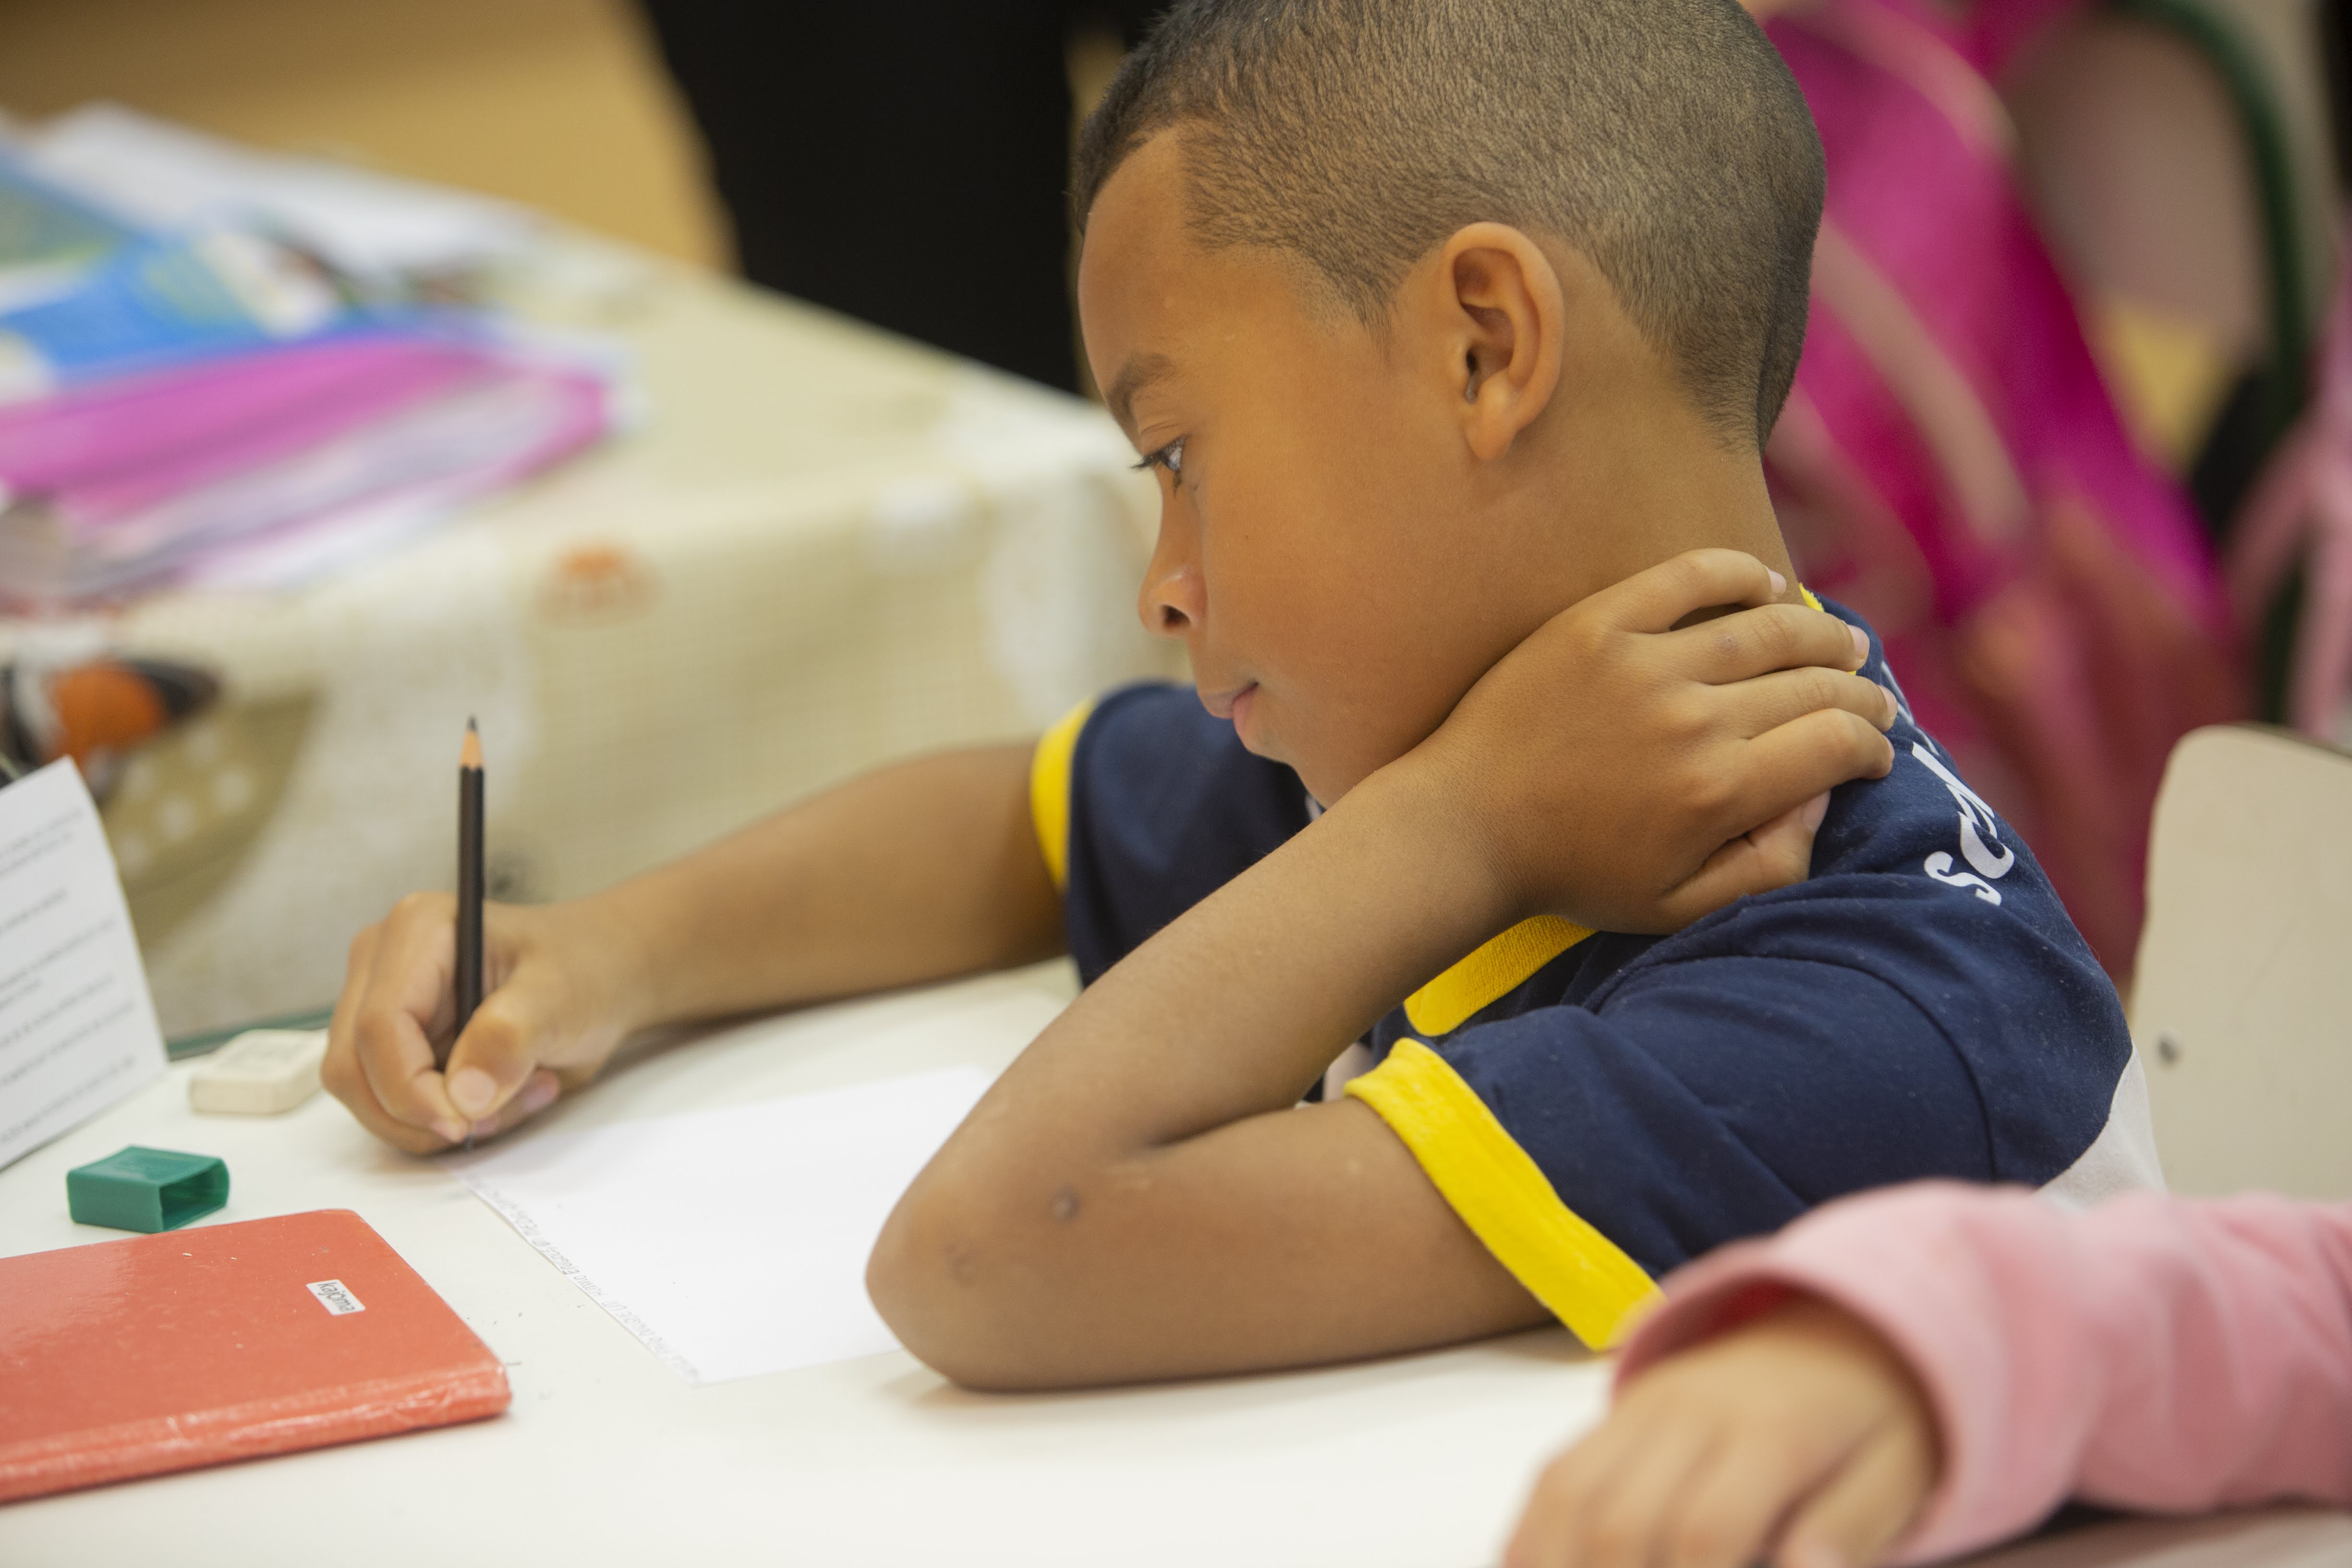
(937, 1278)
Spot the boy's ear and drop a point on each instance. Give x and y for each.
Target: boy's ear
(1502, 317)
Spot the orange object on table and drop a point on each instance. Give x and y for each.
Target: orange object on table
(228, 1342)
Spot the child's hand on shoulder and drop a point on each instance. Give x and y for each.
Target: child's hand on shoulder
(1799, 1440)
(1633, 777)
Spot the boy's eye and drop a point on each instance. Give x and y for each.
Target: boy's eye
(1170, 457)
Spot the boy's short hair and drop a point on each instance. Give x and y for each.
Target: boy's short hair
(1664, 139)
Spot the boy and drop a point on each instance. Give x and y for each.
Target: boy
(1451, 331)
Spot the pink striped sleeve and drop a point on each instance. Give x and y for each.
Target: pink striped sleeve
(2154, 1354)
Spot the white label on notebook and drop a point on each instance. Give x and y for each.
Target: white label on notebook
(334, 1298)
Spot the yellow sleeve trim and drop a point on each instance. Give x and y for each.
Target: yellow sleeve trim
(1049, 789)
(1808, 593)
(1503, 1197)
(1499, 967)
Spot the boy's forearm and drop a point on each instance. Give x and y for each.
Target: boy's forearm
(1137, 1197)
(918, 871)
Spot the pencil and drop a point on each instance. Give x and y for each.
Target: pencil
(470, 882)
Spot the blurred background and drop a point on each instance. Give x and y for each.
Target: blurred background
(689, 391)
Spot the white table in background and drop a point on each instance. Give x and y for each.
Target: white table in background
(607, 1456)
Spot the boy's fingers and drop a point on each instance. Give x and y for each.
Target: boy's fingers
(406, 990)
(1791, 764)
(539, 1092)
(1777, 854)
(1767, 701)
(1780, 853)
(1865, 1505)
(1787, 773)
(1784, 846)
(396, 1062)
(1771, 636)
(340, 1073)
(1654, 600)
(360, 1101)
(494, 1058)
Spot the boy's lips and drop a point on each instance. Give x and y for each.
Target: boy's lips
(1233, 703)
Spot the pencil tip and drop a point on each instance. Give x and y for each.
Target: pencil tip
(470, 754)
(469, 723)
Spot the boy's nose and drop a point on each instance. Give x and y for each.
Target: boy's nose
(1172, 602)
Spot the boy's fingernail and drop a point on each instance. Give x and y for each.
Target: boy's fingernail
(1860, 645)
(1815, 809)
(472, 1089)
(448, 1131)
(1894, 704)
(1780, 583)
(538, 1094)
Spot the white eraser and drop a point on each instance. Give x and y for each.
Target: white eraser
(260, 1073)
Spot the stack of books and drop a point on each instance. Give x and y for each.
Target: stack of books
(222, 367)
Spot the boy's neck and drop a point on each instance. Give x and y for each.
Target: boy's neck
(1629, 471)
(1627, 512)
(1717, 503)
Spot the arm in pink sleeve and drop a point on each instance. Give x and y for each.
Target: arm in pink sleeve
(2154, 1354)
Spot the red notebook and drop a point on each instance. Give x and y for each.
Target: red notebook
(191, 1347)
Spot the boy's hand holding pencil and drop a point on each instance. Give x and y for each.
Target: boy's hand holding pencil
(558, 1001)
(411, 1049)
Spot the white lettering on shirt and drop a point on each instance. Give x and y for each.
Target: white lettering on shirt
(1977, 824)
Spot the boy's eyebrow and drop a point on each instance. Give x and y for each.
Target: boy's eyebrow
(1133, 376)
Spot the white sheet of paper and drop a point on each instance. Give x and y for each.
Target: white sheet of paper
(77, 1030)
(731, 1242)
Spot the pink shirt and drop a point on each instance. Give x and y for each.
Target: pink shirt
(2153, 1353)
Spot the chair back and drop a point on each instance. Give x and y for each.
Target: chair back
(2241, 1005)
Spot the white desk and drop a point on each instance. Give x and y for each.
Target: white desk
(607, 1456)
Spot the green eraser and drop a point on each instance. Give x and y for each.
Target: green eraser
(146, 1189)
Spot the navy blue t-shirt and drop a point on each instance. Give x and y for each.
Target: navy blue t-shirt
(1601, 1107)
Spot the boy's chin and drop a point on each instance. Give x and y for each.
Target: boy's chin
(1258, 743)
(1327, 777)
(1325, 784)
